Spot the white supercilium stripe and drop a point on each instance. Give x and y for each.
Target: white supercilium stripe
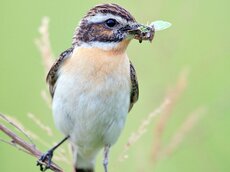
(103, 17)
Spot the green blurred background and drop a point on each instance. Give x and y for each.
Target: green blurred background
(198, 41)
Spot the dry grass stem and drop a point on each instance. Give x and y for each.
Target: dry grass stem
(11, 143)
(142, 129)
(19, 126)
(173, 96)
(28, 133)
(46, 98)
(16, 124)
(38, 122)
(18, 142)
(188, 124)
(59, 156)
(43, 44)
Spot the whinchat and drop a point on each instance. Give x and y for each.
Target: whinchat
(94, 85)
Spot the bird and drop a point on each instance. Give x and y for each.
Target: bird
(93, 84)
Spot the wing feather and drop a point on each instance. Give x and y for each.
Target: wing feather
(52, 76)
(134, 86)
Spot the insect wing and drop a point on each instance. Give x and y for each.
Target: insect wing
(160, 25)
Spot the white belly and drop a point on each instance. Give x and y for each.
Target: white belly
(92, 112)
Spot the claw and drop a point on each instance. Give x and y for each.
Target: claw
(45, 157)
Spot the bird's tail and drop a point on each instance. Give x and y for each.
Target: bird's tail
(83, 170)
(84, 163)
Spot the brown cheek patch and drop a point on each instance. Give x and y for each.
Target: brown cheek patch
(106, 32)
(96, 32)
(100, 32)
(99, 29)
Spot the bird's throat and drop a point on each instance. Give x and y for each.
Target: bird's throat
(94, 60)
(106, 47)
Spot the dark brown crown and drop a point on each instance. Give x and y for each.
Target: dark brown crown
(111, 9)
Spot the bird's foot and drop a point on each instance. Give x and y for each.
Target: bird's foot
(47, 157)
(45, 160)
(106, 158)
(105, 164)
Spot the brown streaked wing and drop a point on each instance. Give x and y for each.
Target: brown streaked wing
(134, 86)
(52, 76)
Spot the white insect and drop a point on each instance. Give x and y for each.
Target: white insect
(160, 25)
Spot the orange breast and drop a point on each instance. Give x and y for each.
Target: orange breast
(95, 64)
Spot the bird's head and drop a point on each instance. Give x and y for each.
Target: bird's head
(109, 26)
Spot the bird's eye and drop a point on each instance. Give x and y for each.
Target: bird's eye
(111, 23)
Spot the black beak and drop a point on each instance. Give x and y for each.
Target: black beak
(141, 32)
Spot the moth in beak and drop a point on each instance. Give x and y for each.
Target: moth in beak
(146, 32)
(142, 32)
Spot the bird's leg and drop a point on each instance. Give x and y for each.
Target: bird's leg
(48, 156)
(106, 158)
